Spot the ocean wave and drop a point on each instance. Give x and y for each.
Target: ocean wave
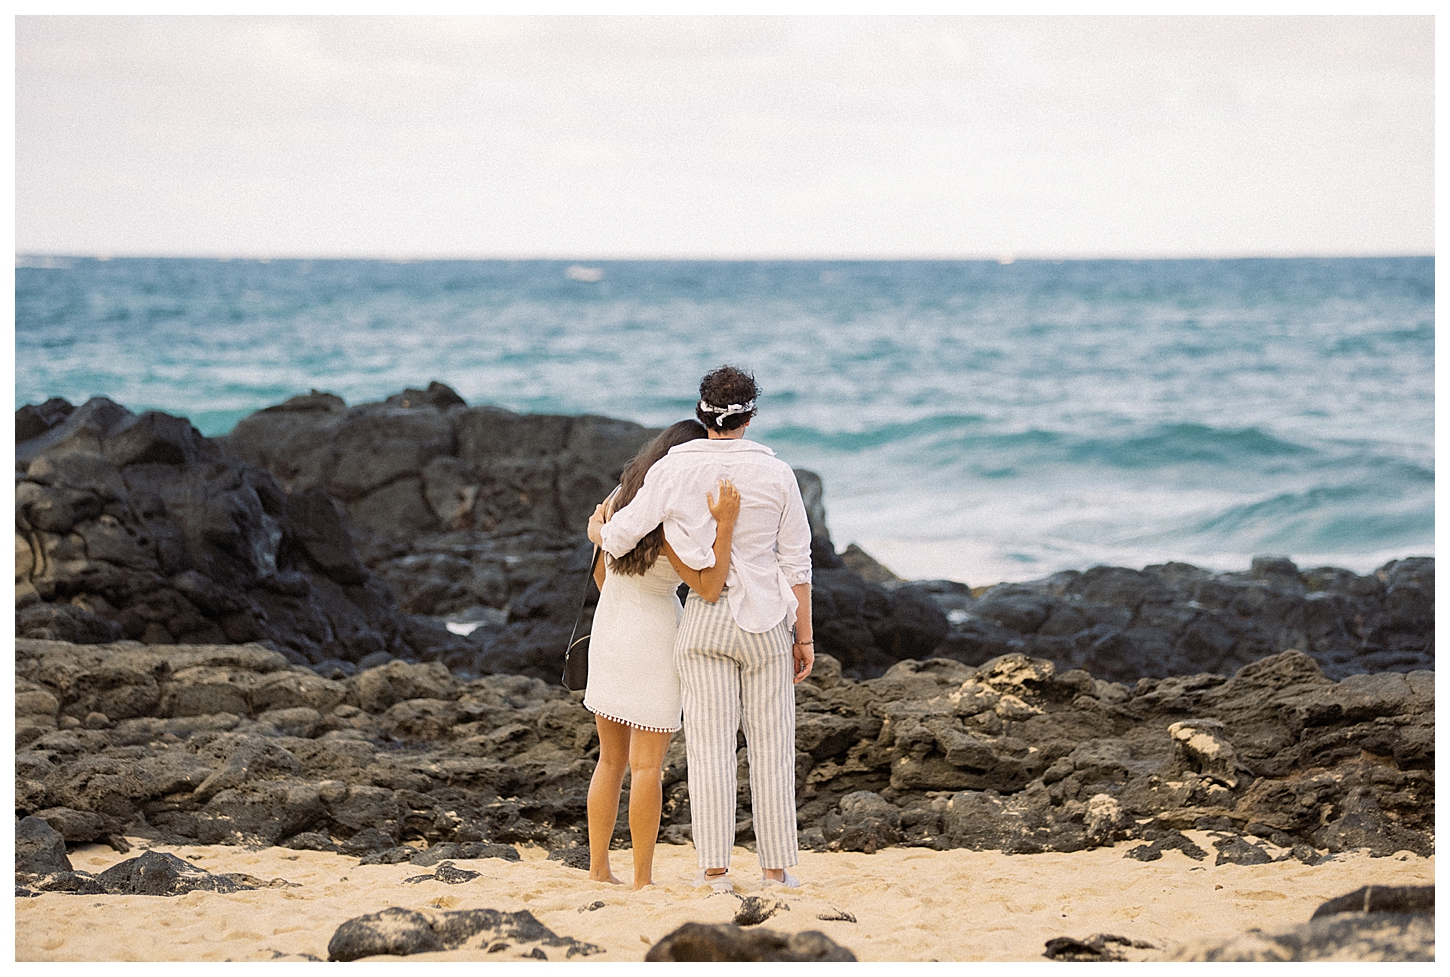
(1177, 444)
(1326, 517)
(1053, 414)
(968, 436)
(873, 437)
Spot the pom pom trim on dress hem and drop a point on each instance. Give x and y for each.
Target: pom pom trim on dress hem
(626, 722)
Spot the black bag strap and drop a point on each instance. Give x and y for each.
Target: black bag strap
(584, 597)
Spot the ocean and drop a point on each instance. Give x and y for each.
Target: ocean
(978, 421)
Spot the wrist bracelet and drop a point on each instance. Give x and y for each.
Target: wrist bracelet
(804, 642)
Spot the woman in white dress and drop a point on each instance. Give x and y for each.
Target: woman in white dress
(633, 689)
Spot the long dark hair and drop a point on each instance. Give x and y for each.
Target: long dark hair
(648, 549)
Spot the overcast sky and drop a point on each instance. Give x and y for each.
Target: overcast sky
(724, 137)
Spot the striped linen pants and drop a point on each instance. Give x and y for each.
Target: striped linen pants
(734, 679)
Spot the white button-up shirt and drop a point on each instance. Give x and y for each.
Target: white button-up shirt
(770, 550)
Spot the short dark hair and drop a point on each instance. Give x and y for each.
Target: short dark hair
(723, 387)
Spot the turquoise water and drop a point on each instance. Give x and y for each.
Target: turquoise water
(971, 420)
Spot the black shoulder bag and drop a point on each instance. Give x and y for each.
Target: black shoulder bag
(576, 656)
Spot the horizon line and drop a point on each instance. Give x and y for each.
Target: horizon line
(1002, 258)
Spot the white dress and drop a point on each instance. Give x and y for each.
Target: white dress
(632, 677)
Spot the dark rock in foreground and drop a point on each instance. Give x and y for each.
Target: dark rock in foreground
(39, 850)
(151, 874)
(402, 932)
(157, 873)
(447, 873)
(703, 943)
(574, 856)
(1382, 899)
(757, 909)
(1373, 924)
(1098, 948)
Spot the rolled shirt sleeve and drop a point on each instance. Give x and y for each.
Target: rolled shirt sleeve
(793, 544)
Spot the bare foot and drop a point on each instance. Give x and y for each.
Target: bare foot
(647, 883)
(609, 877)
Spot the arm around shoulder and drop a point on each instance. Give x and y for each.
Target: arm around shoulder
(629, 524)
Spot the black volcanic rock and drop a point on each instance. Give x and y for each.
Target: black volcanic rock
(138, 527)
(701, 942)
(39, 848)
(1175, 619)
(402, 932)
(1382, 899)
(409, 762)
(314, 524)
(868, 627)
(460, 510)
(1098, 948)
(157, 873)
(395, 932)
(183, 588)
(1375, 923)
(152, 873)
(426, 462)
(33, 420)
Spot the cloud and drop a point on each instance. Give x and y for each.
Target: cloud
(724, 136)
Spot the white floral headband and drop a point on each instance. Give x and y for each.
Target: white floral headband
(725, 412)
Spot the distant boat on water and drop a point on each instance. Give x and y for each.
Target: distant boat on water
(583, 273)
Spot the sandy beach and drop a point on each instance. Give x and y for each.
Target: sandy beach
(908, 904)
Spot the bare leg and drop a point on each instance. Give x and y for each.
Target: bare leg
(604, 795)
(646, 756)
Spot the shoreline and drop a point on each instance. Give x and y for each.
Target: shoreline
(915, 561)
(907, 903)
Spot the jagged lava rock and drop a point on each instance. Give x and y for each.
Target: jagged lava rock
(474, 516)
(403, 932)
(1175, 619)
(463, 509)
(457, 507)
(701, 942)
(39, 848)
(138, 527)
(1374, 923)
(233, 744)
